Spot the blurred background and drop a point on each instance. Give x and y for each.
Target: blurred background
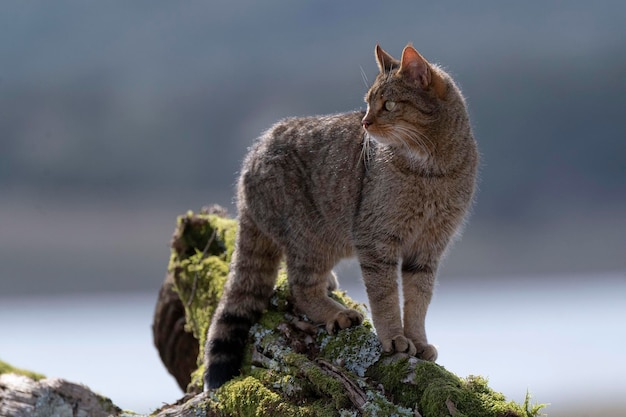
(115, 117)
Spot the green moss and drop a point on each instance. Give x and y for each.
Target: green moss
(532, 410)
(322, 383)
(5, 368)
(392, 375)
(202, 247)
(296, 390)
(249, 397)
(435, 390)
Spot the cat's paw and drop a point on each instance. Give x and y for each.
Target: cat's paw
(344, 319)
(426, 351)
(399, 343)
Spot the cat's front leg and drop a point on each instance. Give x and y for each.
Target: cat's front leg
(379, 275)
(418, 281)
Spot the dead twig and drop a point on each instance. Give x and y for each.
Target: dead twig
(356, 395)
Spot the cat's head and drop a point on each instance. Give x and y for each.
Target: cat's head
(406, 100)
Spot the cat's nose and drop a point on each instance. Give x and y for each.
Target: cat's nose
(366, 122)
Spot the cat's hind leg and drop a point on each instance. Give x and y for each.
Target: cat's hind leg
(310, 283)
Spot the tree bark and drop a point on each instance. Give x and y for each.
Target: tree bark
(22, 396)
(177, 348)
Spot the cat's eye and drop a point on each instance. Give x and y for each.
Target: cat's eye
(390, 105)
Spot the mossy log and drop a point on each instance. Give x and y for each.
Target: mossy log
(292, 367)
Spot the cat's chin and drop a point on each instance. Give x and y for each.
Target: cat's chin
(411, 153)
(382, 139)
(413, 156)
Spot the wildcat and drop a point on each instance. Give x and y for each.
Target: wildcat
(391, 185)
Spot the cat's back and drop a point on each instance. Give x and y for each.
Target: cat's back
(298, 135)
(309, 167)
(306, 147)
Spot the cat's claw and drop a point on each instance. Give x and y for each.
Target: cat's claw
(344, 319)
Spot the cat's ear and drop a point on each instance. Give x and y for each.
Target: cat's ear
(385, 61)
(415, 69)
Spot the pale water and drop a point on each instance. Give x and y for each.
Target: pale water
(564, 341)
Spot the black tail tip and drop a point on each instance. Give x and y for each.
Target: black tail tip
(217, 374)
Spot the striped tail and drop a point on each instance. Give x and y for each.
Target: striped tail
(225, 347)
(246, 295)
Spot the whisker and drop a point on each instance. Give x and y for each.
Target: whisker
(365, 150)
(364, 77)
(425, 138)
(414, 157)
(415, 143)
(417, 138)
